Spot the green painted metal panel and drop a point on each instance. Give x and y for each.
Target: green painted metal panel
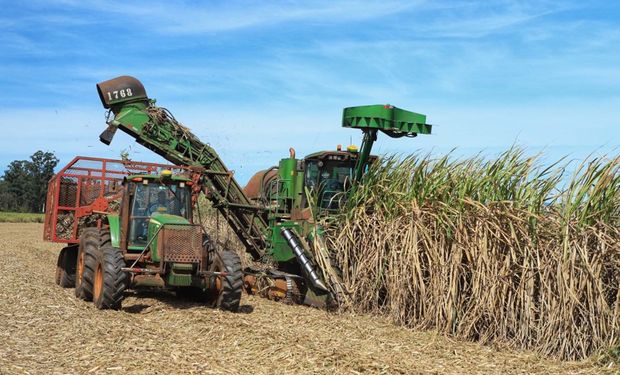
(280, 250)
(175, 279)
(181, 275)
(287, 174)
(152, 229)
(387, 118)
(168, 219)
(299, 189)
(115, 230)
(133, 116)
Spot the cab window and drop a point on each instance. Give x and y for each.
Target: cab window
(155, 198)
(329, 180)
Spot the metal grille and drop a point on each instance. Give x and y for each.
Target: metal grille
(68, 192)
(181, 243)
(90, 190)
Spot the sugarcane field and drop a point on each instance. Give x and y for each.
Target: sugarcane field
(349, 187)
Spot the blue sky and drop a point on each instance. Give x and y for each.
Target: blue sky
(254, 78)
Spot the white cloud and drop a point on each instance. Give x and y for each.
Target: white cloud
(186, 17)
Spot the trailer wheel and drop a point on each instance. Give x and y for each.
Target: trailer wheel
(227, 288)
(110, 281)
(85, 263)
(65, 267)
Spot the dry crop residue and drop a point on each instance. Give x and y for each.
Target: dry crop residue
(45, 329)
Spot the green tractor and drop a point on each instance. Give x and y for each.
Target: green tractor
(152, 241)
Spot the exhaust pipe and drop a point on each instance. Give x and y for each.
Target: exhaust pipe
(303, 260)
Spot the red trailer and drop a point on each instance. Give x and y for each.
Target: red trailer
(84, 191)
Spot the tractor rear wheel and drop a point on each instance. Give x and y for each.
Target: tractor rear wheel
(65, 267)
(85, 263)
(227, 287)
(110, 281)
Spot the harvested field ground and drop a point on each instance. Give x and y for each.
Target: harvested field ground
(45, 329)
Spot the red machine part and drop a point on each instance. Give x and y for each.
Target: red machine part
(85, 187)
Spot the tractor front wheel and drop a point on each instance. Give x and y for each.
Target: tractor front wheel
(227, 286)
(110, 281)
(85, 263)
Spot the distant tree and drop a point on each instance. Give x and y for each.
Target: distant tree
(7, 200)
(40, 170)
(16, 185)
(24, 184)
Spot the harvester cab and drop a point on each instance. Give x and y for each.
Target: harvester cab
(328, 177)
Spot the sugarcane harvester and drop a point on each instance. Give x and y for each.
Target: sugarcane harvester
(276, 215)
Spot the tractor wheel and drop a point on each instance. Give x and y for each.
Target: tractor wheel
(85, 264)
(110, 281)
(227, 289)
(65, 267)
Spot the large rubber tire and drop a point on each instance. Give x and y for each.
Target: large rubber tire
(65, 267)
(227, 289)
(85, 263)
(110, 281)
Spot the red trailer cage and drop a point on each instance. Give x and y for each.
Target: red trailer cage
(80, 194)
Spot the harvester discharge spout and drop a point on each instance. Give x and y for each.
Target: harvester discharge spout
(116, 93)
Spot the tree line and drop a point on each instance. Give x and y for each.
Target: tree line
(23, 186)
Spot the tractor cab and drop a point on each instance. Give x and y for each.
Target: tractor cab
(155, 200)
